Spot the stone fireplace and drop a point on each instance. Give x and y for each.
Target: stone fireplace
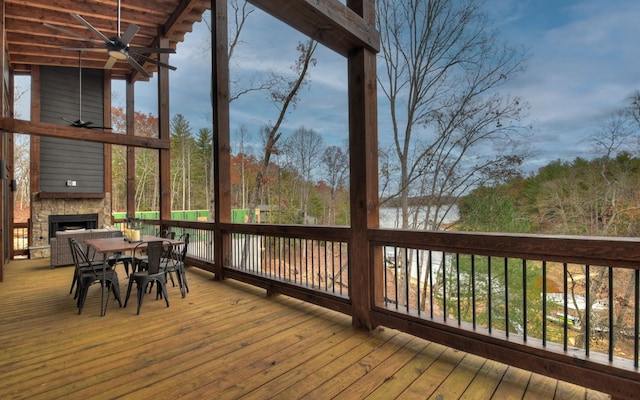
(50, 215)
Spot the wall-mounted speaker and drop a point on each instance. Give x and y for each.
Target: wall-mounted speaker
(14, 185)
(3, 169)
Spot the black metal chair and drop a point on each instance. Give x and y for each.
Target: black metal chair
(74, 246)
(140, 261)
(154, 250)
(88, 272)
(175, 264)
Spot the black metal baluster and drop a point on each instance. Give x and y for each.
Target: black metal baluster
(506, 296)
(430, 266)
(611, 325)
(289, 258)
(489, 295)
(407, 277)
(524, 299)
(419, 303)
(587, 279)
(636, 319)
(473, 291)
(325, 266)
(458, 286)
(444, 286)
(544, 303)
(340, 269)
(384, 276)
(395, 276)
(565, 308)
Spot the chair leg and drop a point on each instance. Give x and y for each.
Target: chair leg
(126, 299)
(173, 283)
(82, 296)
(164, 292)
(73, 282)
(115, 287)
(181, 283)
(141, 290)
(183, 276)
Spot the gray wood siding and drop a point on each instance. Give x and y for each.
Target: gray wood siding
(63, 160)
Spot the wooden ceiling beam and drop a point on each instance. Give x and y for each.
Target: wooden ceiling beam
(329, 22)
(192, 9)
(90, 135)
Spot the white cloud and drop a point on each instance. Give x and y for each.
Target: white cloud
(583, 66)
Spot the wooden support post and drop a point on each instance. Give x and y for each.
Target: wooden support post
(363, 155)
(164, 133)
(106, 121)
(221, 137)
(131, 151)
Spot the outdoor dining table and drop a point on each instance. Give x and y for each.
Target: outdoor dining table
(112, 245)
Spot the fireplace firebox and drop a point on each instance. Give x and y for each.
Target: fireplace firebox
(68, 222)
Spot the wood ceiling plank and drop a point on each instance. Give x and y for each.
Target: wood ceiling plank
(27, 35)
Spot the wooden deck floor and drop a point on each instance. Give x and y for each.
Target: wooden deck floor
(226, 340)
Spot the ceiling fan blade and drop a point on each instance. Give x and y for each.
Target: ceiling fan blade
(84, 49)
(138, 67)
(91, 28)
(67, 32)
(131, 31)
(144, 50)
(156, 62)
(110, 63)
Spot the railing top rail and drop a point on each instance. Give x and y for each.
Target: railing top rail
(591, 250)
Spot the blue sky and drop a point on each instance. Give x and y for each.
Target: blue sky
(583, 65)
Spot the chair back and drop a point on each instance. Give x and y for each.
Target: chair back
(73, 245)
(183, 253)
(167, 234)
(78, 253)
(154, 251)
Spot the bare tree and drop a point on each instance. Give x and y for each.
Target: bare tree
(241, 85)
(182, 142)
(242, 134)
(303, 150)
(451, 128)
(336, 163)
(613, 133)
(283, 97)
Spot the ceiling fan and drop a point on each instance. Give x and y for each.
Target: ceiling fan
(79, 123)
(117, 47)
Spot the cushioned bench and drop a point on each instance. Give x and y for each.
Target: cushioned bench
(60, 250)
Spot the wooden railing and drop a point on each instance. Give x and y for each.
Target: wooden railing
(21, 239)
(565, 307)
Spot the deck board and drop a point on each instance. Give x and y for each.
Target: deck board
(225, 340)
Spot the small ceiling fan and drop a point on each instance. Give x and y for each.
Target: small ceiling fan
(79, 123)
(117, 47)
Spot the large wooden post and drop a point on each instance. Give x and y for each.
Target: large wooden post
(164, 132)
(106, 121)
(363, 155)
(221, 136)
(131, 151)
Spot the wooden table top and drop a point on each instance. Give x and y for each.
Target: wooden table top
(119, 244)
